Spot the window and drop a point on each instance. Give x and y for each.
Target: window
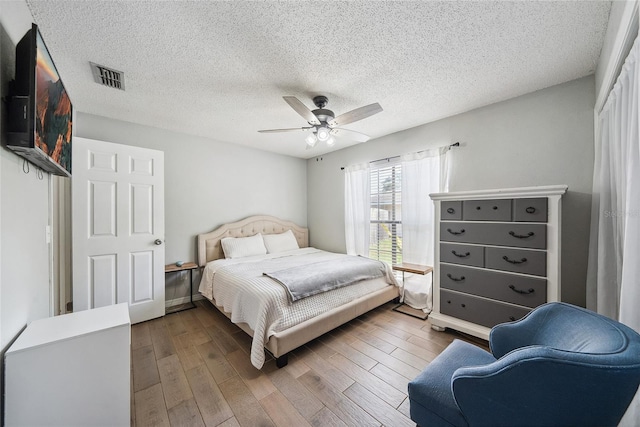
(386, 212)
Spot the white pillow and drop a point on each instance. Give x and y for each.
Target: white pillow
(238, 247)
(280, 242)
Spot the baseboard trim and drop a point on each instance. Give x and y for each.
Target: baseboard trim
(182, 300)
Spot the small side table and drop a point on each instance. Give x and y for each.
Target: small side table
(413, 269)
(172, 268)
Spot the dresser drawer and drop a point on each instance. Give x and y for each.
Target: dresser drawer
(479, 310)
(531, 210)
(486, 210)
(462, 254)
(451, 211)
(517, 260)
(518, 235)
(521, 290)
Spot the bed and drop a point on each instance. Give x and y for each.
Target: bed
(237, 286)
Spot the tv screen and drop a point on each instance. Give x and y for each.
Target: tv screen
(42, 112)
(53, 109)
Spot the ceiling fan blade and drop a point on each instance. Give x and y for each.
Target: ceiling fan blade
(302, 109)
(286, 130)
(350, 134)
(355, 115)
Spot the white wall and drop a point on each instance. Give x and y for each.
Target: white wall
(541, 138)
(24, 210)
(208, 183)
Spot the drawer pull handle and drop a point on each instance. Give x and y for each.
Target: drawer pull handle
(530, 210)
(514, 261)
(512, 318)
(478, 208)
(455, 279)
(463, 305)
(450, 210)
(448, 301)
(521, 236)
(495, 208)
(520, 291)
(455, 233)
(461, 255)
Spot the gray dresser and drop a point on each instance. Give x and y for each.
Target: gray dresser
(497, 256)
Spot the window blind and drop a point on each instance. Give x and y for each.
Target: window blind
(386, 212)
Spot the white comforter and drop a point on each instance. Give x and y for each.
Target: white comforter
(239, 287)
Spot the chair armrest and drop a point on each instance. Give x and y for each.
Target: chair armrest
(530, 385)
(524, 332)
(507, 337)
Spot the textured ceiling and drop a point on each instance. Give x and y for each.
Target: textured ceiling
(219, 69)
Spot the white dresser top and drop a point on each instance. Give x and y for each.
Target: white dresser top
(45, 331)
(542, 191)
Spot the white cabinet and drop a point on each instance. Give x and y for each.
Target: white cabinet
(497, 256)
(71, 370)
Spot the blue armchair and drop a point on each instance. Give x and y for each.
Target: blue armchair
(560, 365)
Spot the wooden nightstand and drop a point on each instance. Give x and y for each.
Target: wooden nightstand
(172, 268)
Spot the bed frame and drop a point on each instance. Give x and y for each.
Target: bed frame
(281, 343)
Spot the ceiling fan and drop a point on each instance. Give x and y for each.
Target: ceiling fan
(324, 124)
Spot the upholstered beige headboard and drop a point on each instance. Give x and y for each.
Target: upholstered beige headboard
(209, 247)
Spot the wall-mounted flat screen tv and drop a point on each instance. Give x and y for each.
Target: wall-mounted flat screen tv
(40, 111)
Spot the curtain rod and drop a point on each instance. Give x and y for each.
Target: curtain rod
(457, 144)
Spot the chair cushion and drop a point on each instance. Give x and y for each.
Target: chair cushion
(430, 393)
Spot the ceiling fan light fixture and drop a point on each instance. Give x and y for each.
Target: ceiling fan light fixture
(311, 140)
(323, 134)
(323, 123)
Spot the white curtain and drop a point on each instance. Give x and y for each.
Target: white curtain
(357, 192)
(423, 173)
(614, 252)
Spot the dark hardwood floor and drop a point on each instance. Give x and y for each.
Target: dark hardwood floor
(192, 368)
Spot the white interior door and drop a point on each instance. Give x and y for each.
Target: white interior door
(118, 227)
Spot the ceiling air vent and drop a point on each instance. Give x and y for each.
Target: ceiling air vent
(107, 76)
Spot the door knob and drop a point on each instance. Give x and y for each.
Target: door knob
(158, 242)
